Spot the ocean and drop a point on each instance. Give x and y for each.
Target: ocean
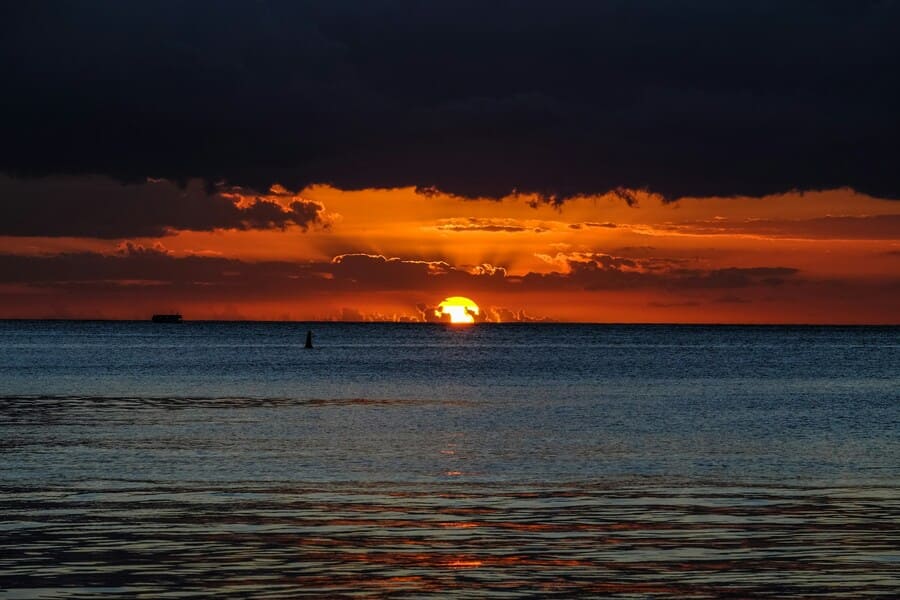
(413, 460)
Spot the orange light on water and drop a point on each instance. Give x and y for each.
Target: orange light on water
(460, 309)
(464, 564)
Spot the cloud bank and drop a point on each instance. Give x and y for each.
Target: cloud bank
(475, 99)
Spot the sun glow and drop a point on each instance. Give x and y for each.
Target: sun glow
(460, 309)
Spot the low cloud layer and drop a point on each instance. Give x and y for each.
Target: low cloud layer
(869, 227)
(136, 265)
(597, 271)
(136, 279)
(476, 99)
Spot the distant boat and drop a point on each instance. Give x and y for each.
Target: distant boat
(166, 319)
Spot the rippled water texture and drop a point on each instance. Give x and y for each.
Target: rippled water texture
(505, 461)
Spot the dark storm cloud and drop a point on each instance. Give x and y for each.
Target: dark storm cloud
(473, 98)
(103, 208)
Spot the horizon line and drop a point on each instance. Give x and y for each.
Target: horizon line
(465, 325)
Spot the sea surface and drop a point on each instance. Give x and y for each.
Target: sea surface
(402, 460)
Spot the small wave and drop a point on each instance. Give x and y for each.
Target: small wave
(336, 540)
(38, 402)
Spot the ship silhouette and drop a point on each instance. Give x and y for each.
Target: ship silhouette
(176, 318)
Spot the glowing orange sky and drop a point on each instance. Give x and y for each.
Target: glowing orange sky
(671, 262)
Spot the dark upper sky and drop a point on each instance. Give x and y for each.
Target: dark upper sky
(690, 98)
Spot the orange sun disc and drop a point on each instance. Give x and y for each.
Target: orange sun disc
(459, 309)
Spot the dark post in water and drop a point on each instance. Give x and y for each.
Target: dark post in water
(309, 339)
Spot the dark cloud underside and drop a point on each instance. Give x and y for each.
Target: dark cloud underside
(103, 208)
(476, 98)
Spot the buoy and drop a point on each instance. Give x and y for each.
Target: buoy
(309, 339)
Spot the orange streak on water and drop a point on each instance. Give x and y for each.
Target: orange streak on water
(460, 524)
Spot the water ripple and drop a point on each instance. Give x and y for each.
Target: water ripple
(281, 541)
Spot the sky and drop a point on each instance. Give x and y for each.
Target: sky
(692, 161)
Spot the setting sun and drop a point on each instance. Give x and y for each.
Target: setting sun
(460, 309)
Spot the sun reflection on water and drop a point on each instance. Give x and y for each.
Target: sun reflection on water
(335, 539)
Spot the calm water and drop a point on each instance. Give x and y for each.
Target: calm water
(411, 460)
